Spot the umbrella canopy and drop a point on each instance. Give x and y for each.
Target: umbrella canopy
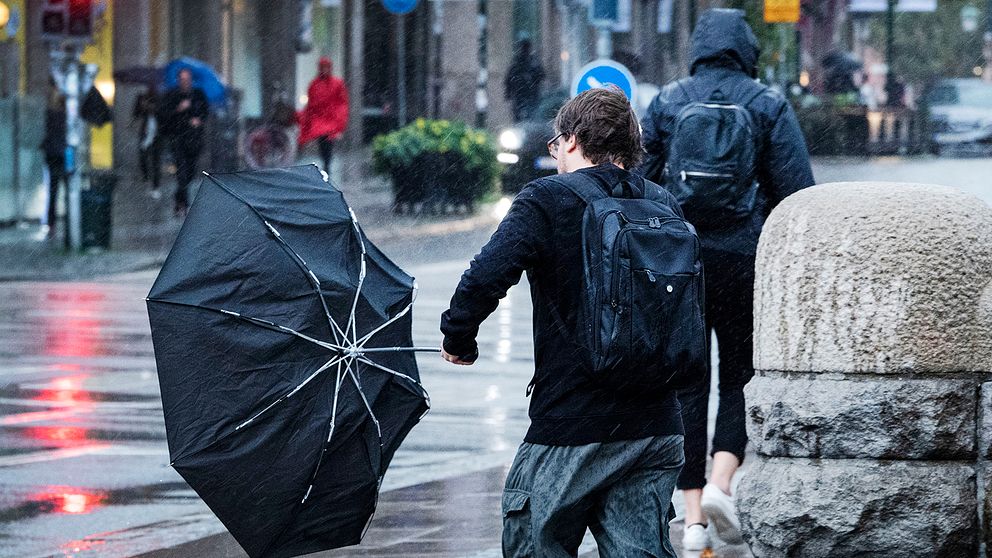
(141, 75)
(283, 343)
(204, 77)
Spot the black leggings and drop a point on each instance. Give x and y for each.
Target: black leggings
(729, 312)
(57, 177)
(326, 145)
(185, 153)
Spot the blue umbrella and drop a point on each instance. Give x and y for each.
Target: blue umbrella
(204, 77)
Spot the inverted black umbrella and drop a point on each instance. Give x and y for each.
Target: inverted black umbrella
(283, 343)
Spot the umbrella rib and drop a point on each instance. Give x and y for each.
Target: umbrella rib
(365, 339)
(352, 327)
(334, 412)
(335, 328)
(358, 386)
(257, 321)
(296, 257)
(427, 396)
(325, 366)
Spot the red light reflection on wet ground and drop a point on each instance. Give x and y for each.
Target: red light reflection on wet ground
(66, 391)
(59, 436)
(75, 331)
(68, 500)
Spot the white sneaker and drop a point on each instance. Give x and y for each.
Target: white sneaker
(696, 537)
(719, 509)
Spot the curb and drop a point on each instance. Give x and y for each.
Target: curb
(99, 265)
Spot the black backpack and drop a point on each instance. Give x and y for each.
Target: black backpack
(642, 322)
(712, 160)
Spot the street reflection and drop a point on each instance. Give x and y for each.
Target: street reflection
(68, 500)
(67, 391)
(74, 330)
(59, 436)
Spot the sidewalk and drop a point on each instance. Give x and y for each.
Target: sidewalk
(458, 517)
(144, 228)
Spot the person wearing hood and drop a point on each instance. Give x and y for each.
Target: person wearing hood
(724, 56)
(326, 115)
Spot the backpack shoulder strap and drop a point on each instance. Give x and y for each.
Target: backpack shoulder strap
(751, 97)
(582, 186)
(688, 90)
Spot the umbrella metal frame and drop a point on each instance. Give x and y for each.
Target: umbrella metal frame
(349, 349)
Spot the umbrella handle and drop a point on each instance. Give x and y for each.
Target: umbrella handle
(402, 349)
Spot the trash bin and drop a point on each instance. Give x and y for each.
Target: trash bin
(97, 204)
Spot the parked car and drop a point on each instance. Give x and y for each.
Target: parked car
(960, 115)
(524, 146)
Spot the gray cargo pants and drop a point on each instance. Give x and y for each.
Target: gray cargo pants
(621, 491)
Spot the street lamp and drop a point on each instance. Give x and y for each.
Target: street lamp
(4, 15)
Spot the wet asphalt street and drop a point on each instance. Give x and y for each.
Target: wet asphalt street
(83, 458)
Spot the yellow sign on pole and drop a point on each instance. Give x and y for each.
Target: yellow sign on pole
(782, 11)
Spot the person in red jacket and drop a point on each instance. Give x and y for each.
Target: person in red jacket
(326, 115)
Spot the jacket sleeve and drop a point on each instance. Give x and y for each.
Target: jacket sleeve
(785, 167)
(517, 245)
(166, 113)
(654, 137)
(201, 107)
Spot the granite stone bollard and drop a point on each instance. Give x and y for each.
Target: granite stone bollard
(871, 406)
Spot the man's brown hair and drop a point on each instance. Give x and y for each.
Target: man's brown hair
(604, 126)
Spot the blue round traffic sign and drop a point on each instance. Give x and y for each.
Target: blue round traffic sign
(603, 72)
(399, 7)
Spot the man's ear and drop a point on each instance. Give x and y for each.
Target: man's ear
(570, 143)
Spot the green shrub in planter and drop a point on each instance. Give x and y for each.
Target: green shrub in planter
(436, 162)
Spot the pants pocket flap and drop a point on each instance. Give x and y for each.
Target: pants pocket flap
(514, 501)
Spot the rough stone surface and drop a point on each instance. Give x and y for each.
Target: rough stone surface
(985, 422)
(986, 484)
(875, 277)
(858, 508)
(868, 417)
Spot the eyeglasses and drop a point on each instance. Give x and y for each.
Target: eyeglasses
(553, 145)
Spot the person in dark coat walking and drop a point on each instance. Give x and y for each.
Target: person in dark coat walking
(522, 85)
(149, 144)
(724, 56)
(53, 145)
(182, 115)
(593, 456)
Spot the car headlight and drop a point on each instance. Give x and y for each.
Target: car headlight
(511, 139)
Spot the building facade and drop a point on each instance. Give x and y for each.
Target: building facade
(268, 50)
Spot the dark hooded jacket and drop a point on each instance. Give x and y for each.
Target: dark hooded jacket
(724, 58)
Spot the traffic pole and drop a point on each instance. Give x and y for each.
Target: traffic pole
(73, 140)
(401, 68)
(72, 78)
(481, 96)
(890, 26)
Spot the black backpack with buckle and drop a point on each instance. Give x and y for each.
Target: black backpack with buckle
(642, 322)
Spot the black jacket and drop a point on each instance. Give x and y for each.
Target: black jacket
(724, 58)
(542, 236)
(177, 123)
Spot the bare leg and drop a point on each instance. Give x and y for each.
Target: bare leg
(693, 510)
(725, 464)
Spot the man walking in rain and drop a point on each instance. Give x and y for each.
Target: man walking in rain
(729, 149)
(182, 116)
(595, 457)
